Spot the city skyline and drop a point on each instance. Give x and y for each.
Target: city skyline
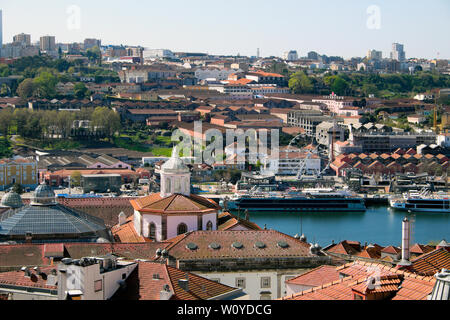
(242, 28)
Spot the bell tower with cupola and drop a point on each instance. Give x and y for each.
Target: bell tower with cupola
(175, 176)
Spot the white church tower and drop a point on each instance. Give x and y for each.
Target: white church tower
(175, 176)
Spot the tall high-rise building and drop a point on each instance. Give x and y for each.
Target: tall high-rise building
(290, 55)
(90, 43)
(313, 55)
(1, 29)
(24, 39)
(397, 52)
(374, 55)
(47, 43)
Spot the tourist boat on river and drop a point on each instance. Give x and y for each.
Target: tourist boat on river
(306, 200)
(424, 201)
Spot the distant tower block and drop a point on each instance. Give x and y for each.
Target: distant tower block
(258, 53)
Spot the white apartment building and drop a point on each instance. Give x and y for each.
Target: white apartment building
(217, 74)
(291, 161)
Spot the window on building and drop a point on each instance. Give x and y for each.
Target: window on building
(98, 285)
(215, 280)
(265, 282)
(209, 226)
(182, 229)
(240, 283)
(152, 231)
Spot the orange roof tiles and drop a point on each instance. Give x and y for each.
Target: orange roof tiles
(345, 247)
(421, 249)
(432, 262)
(391, 250)
(174, 204)
(403, 285)
(142, 285)
(316, 277)
(17, 278)
(126, 233)
(248, 238)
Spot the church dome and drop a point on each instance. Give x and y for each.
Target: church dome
(12, 200)
(43, 195)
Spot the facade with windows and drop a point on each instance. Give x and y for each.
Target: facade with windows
(22, 171)
(257, 261)
(174, 210)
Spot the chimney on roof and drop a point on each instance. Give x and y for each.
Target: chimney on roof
(406, 236)
(184, 284)
(441, 289)
(122, 218)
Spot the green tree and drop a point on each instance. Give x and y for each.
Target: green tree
(300, 83)
(76, 179)
(26, 88)
(45, 85)
(106, 121)
(80, 90)
(6, 119)
(17, 188)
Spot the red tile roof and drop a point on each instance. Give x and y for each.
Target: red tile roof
(142, 285)
(345, 247)
(228, 221)
(403, 285)
(126, 233)
(421, 249)
(249, 238)
(431, 263)
(174, 204)
(316, 277)
(391, 250)
(17, 278)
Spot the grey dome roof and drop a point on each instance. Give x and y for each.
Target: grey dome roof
(175, 163)
(56, 221)
(43, 195)
(12, 200)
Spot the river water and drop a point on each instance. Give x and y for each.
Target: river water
(379, 224)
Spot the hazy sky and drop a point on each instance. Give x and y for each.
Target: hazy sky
(329, 27)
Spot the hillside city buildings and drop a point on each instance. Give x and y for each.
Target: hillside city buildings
(103, 191)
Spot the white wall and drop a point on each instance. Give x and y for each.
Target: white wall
(253, 288)
(174, 221)
(210, 217)
(157, 220)
(295, 288)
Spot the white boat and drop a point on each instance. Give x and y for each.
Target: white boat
(422, 202)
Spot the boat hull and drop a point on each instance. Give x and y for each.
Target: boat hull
(427, 206)
(298, 205)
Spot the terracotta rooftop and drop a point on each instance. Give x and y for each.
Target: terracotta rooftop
(254, 244)
(149, 279)
(18, 255)
(316, 277)
(391, 250)
(18, 278)
(357, 276)
(174, 204)
(421, 249)
(228, 221)
(431, 263)
(126, 233)
(345, 247)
